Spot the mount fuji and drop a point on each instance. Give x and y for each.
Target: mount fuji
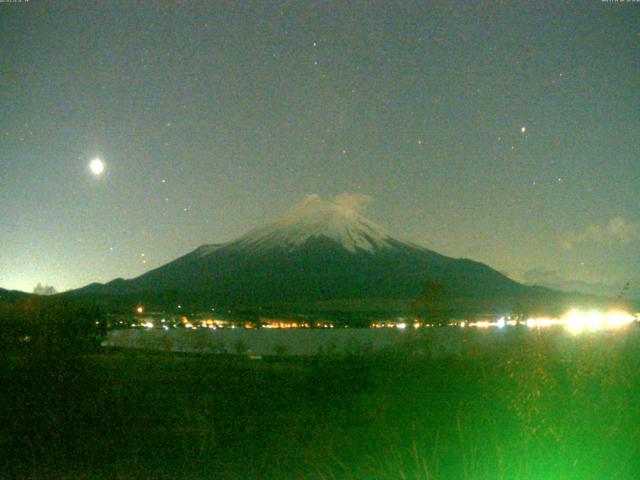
(319, 251)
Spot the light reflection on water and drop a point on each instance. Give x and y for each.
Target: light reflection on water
(451, 340)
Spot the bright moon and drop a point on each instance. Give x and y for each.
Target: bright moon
(96, 166)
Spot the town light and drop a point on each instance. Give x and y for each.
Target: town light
(576, 321)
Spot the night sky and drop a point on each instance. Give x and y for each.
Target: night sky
(506, 132)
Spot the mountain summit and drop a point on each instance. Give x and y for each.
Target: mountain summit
(314, 218)
(318, 251)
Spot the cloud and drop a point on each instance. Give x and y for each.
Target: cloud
(623, 231)
(313, 197)
(353, 201)
(540, 276)
(618, 230)
(557, 281)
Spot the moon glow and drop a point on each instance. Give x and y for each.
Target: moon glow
(96, 166)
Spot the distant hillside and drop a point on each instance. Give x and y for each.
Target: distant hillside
(12, 295)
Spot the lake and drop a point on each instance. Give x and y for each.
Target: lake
(432, 341)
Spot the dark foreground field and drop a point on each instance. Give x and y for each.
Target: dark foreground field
(534, 407)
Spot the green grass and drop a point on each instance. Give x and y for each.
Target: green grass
(530, 407)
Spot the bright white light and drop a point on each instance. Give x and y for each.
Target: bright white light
(401, 326)
(148, 325)
(523, 129)
(96, 166)
(577, 321)
(619, 319)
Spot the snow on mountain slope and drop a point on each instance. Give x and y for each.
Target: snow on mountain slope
(205, 250)
(316, 218)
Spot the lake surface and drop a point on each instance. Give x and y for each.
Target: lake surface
(432, 341)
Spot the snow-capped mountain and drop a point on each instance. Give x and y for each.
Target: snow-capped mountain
(315, 218)
(319, 250)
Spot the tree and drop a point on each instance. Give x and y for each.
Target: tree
(44, 289)
(434, 302)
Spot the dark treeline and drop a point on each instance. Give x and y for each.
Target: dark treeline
(44, 345)
(56, 326)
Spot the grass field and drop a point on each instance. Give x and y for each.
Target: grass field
(532, 407)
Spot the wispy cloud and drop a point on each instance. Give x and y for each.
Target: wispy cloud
(618, 230)
(353, 201)
(558, 281)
